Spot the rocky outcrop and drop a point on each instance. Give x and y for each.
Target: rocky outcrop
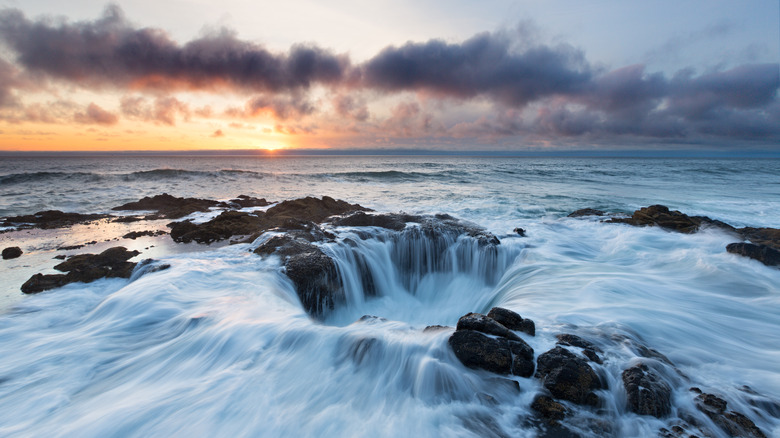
(51, 219)
(764, 254)
(659, 215)
(647, 393)
(568, 377)
(588, 349)
(309, 209)
(12, 252)
(224, 226)
(586, 212)
(111, 263)
(506, 353)
(244, 201)
(136, 234)
(733, 423)
(168, 207)
(390, 221)
(512, 320)
(311, 271)
(549, 410)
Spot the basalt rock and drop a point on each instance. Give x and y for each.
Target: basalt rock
(111, 263)
(586, 212)
(659, 215)
(168, 206)
(548, 409)
(763, 253)
(762, 236)
(498, 355)
(390, 221)
(244, 201)
(589, 350)
(733, 423)
(512, 320)
(51, 219)
(136, 234)
(12, 252)
(484, 324)
(312, 272)
(568, 377)
(647, 393)
(227, 224)
(310, 209)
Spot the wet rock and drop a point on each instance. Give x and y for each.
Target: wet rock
(660, 215)
(484, 324)
(519, 231)
(586, 212)
(391, 221)
(647, 393)
(436, 328)
(244, 201)
(498, 355)
(548, 409)
(763, 253)
(168, 206)
(50, 219)
(311, 209)
(575, 341)
(512, 320)
(226, 225)
(733, 423)
(313, 273)
(111, 263)
(12, 252)
(568, 377)
(762, 236)
(136, 234)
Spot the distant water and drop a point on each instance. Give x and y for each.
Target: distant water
(218, 345)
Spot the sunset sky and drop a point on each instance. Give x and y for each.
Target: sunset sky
(452, 75)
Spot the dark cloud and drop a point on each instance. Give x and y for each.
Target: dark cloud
(96, 115)
(351, 107)
(493, 65)
(110, 51)
(163, 110)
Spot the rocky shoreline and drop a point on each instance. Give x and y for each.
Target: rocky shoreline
(571, 375)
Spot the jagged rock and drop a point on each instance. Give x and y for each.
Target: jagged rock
(244, 201)
(548, 409)
(310, 209)
(12, 252)
(660, 215)
(733, 423)
(227, 224)
(136, 234)
(168, 206)
(763, 253)
(50, 219)
(512, 320)
(762, 236)
(498, 355)
(568, 377)
(391, 221)
(647, 393)
(312, 272)
(484, 324)
(519, 231)
(586, 212)
(575, 341)
(111, 263)
(436, 328)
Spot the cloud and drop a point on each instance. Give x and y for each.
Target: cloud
(217, 134)
(350, 107)
(111, 52)
(163, 110)
(96, 115)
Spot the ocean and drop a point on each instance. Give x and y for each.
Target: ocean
(219, 344)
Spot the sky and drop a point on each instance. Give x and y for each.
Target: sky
(493, 75)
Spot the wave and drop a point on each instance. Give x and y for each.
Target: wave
(142, 175)
(31, 177)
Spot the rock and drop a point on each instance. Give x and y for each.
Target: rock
(762, 236)
(519, 231)
(395, 222)
(763, 253)
(548, 409)
(244, 201)
(226, 225)
(136, 234)
(168, 206)
(498, 355)
(647, 393)
(436, 328)
(568, 377)
(733, 423)
(586, 212)
(111, 263)
(50, 219)
(310, 209)
(12, 252)
(484, 324)
(660, 215)
(312, 272)
(512, 320)
(575, 341)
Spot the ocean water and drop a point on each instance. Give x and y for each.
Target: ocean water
(219, 345)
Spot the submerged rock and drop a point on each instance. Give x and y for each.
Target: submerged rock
(647, 393)
(12, 252)
(568, 377)
(512, 320)
(111, 263)
(764, 254)
(50, 219)
(484, 324)
(548, 409)
(733, 423)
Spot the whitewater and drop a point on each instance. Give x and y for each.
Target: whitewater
(220, 345)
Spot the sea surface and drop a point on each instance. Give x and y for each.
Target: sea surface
(219, 345)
